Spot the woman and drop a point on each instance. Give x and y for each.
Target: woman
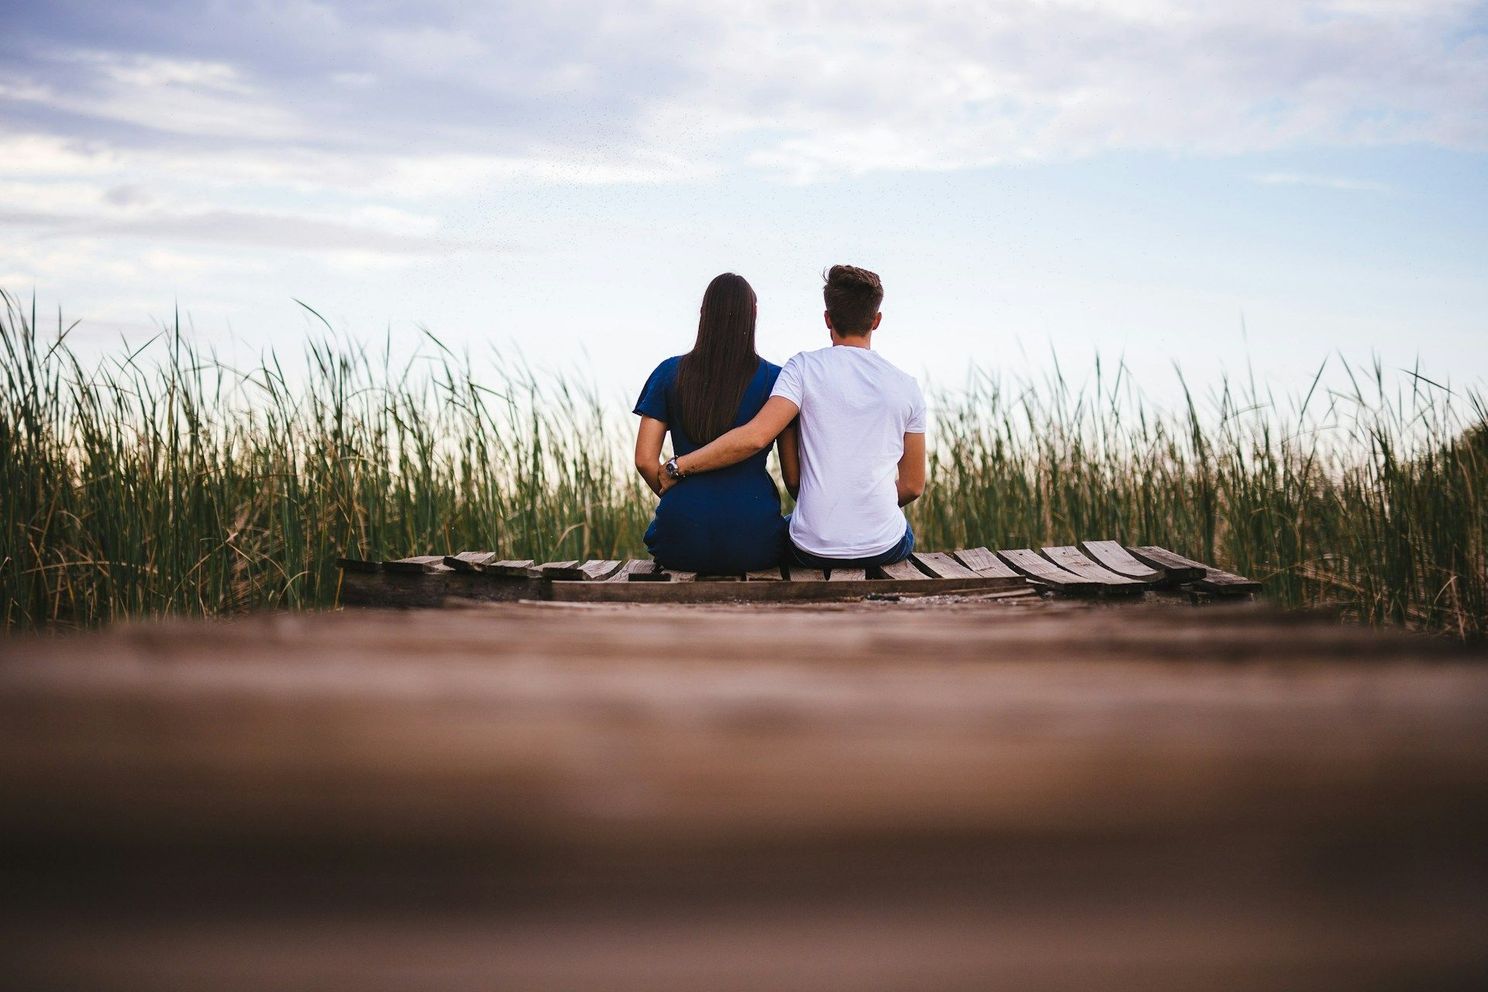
(729, 520)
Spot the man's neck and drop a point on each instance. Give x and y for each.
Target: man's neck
(864, 341)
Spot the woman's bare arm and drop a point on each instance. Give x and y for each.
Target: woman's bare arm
(788, 447)
(648, 451)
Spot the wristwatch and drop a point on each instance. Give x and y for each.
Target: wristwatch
(672, 469)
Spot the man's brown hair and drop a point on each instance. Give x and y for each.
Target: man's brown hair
(852, 296)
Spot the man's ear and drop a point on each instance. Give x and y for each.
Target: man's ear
(876, 318)
(827, 316)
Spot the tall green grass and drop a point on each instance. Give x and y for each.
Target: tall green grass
(163, 481)
(1370, 498)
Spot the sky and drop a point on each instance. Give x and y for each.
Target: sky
(1234, 187)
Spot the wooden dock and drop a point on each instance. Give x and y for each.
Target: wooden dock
(1096, 568)
(1028, 792)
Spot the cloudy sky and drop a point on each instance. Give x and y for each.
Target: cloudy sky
(1217, 184)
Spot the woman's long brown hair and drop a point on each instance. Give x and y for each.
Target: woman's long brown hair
(712, 377)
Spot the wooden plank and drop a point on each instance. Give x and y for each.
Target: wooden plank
(1071, 560)
(358, 565)
(799, 573)
(623, 573)
(1113, 556)
(658, 574)
(901, 571)
(941, 565)
(847, 575)
(417, 564)
(386, 590)
(598, 571)
(985, 563)
(568, 570)
(774, 592)
(720, 577)
(763, 575)
(1215, 580)
(577, 571)
(757, 805)
(469, 561)
(1041, 569)
(516, 568)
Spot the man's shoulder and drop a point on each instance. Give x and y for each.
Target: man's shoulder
(890, 374)
(907, 380)
(810, 357)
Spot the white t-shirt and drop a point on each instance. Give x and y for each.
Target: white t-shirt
(855, 410)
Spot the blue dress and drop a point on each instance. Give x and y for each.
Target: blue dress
(723, 521)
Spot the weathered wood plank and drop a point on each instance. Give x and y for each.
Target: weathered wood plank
(392, 589)
(469, 561)
(986, 564)
(1215, 580)
(416, 565)
(799, 573)
(720, 577)
(847, 575)
(682, 576)
(425, 589)
(1041, 569)
(901, 571)
(763, 575)
(649, 571)
(941, 565)
(358, 565)
(1071, 560)
(774, 592)
(624, 572)
(516, 568)
(1112, 555)
(598, 571)
(568, 570)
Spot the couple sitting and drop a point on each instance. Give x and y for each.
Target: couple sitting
(850, 429)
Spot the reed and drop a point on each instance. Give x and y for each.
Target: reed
(161, 481)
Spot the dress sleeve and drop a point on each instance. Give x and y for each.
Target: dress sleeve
(653, 402)
(916, 422)
(788, 383)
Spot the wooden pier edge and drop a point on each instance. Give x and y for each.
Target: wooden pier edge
(429, 580)
(392, 589)
(771, 592)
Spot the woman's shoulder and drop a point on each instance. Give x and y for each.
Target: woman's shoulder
(654, 400)
(768, 370)
(666, 371)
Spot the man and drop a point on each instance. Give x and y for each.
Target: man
(862, 437)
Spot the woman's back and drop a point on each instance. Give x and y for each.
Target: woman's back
(724, 521)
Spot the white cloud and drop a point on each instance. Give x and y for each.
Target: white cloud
(580, 93)
(362, 135)
(187, 97)
(369, 229)
(831, 88)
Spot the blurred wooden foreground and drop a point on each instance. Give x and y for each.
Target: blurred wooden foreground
(884, 796)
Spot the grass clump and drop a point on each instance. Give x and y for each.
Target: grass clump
(1368, 498)
(162, 481)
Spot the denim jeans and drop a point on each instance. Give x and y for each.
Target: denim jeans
(899, 552)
